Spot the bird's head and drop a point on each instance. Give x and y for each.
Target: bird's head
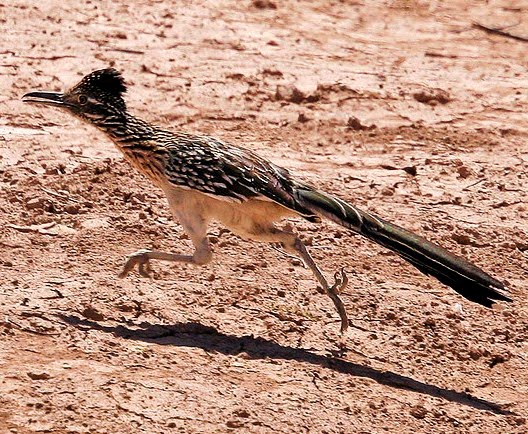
(97, 96)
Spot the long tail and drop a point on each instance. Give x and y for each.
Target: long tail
(461, 275)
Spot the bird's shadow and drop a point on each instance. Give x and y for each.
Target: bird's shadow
(196, 335)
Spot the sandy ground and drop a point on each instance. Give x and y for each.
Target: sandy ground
(347, 94)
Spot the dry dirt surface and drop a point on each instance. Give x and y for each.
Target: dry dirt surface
(404, 108)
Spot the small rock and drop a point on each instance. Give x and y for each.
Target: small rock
(93, 314)
(418, 411)
(475, 353)
(13, 198)
(355, 124)
(417, 337)
(499, 358)
(72, 208)
(248, 266)
(411, 170)
(509, 245)
(242, 413)
(120, 35)
(288, 227)
(272, 72)
(430, 322)
(126, 306)
(388, 191)
(519, 420)
(302, 118)
(464, 172)
(95, 223)
(234, 423)
(56, 169)
(432, 96)
(390, 316)
(211, 277)
(35, 203)
(292, 93)
(458, 309)
(264, 4)
(38, 375)
(462, 239)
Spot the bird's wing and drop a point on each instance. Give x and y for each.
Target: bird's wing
(228, 172)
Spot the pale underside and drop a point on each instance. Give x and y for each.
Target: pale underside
(252, 219)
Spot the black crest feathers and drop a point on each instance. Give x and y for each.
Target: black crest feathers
(104, 81)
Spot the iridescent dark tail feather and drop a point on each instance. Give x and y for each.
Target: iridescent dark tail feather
(461, 275)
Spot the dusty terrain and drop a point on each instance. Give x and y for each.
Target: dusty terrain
(400, 107)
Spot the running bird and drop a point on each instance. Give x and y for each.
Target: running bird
(206, 179)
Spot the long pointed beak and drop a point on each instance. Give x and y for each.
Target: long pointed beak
(49, 98)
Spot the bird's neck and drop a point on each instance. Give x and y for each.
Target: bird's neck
(138, 141)
(125, 129)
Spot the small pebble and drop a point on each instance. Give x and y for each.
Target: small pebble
(38, 375)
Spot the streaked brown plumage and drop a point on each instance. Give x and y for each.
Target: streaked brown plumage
(205, 179)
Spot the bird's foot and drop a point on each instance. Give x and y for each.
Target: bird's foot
(341, 281)
(141, 258)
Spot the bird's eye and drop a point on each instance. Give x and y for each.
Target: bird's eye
(83, 99)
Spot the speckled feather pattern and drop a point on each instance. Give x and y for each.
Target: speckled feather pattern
(202, 163)
(186, 161)
(206, 178)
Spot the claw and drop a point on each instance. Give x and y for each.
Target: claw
(145, 269)
(139, 258)
(341, 281)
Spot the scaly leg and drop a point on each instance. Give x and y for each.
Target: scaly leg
(294, 245)
(196, 228)
(341, 281)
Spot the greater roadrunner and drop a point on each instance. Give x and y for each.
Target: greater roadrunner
(206, 179)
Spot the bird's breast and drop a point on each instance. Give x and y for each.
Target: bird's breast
(147, 163)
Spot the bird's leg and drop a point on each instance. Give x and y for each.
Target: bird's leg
(196, 228)
(333, 291)
(202, 255)
(294, 245)
(142, 257)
